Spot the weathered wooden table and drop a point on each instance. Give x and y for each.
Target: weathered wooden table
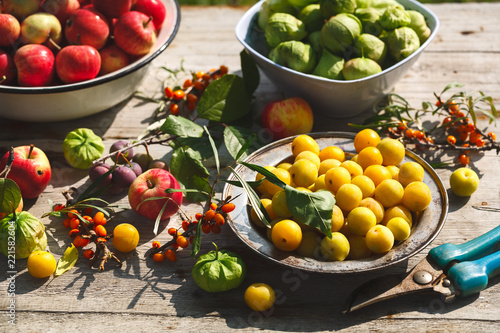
(145, 296)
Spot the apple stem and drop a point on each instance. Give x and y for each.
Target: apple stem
(149, 183)
(32, 146)
(51, 41)
(150, 19)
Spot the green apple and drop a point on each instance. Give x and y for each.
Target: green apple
(464, 182)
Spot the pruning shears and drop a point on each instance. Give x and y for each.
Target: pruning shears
(449, 270)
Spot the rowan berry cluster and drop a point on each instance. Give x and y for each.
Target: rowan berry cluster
(191, 90)
(210, 221)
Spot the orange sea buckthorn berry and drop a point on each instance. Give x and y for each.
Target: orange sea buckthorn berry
(480, 142)
(66, 222)
(87, 218)
(429, 140)
(470, 127)
(402, 126)
(188, 83)
(463, 136)
(200, 74)
(219, 219)
(228, 208)
(409, 133)
(169, 93)
(492, 136)
(185, 225)
(72, 213)
(170, 255)
(223, 70)
(198, 216)
(205, 227)
(174, 108)
(179, 94)
(206, 77)
(58, 207)
(474, 136)
(74, 223)
(88, 254)
(73, 232)
(463, 159)
(451, 139)
(99, 218)
(215, 228)
(209, 215)
(453, 107)
(460, 114)
(199, 85)
(156, 245)
(158, 257)
(213, 206)
(419, 134)
(100, 230)
(182, 241)
(175, 246)
(87, 210)
(447, 121)
(172, 231)
(438, 103)
(79, 241)
(191, 98)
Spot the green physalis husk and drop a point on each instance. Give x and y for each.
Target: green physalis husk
(24, 232)
(219, 271)
(81, 147)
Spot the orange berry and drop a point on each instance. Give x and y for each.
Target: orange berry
(175, 245)
(182, 241)
(474, 136)
(188, 83)
(179, 94)
(223, 70)
(480, 142)
(100, 230)
(172, 231)
(174, 108)
(206, 77)
(213, 206)
(206, 228)
(438, 103)
(447, 121)
(409, 133)
(169, 93)
(470, 127)
(80, 242)
(463, 136)
(87, 211)
(228, 208)
(66, 222)
(190, 105)
(87, 218)
(209, 215)
(99, 218)
(198, 216)
(72, 213)
(429, 140)
(215, 228)
(192, 98)
(200, 74)
(185, 225)
(199, 85)
(88, 254)
(156, 245)
(219, 219)
(453, 107)
(74, 223)
(73, 232)
(101, 240)
(58, 207)
(402, 126)
(492, 136)
(158, 257)
(451, 139)
(170, 255)
(463, 159)
(419, 134)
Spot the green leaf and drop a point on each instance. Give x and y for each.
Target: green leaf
(451, 86)
(200, 146)
(195, 247)
(67, 261)
(250, 72)
(190, 173)
(10, 195)
(266, 173)
(158, 218)
(214, 149)
(253, 184)
(177, 125)
(314, 209)
(237, 141)
(254, 200)
(224, 100)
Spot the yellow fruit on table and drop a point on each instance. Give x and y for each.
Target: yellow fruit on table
(354, 168)
(410, 172)
(360, 220)
(365, 184)
(392, 150)
(369, 156)
(282, 175)
(366, 138)
(259, 296)
(464, 182)
(285, 165)
(261, 188)
(309, 246)
(125, 237)
(286, 235)
(397, 211)
(337, 221)
(335, 248)
(302, 143)
(379, 239)
(280, 205)
(332, 152)
(303, 173)
(389, 192)
(348, 197)
(399, 228)
(327, 164)
(417, 196)
(376, 207)
(336, 177)
(41, 264)
(309, 155)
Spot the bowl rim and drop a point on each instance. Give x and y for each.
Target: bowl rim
(251, 15)
(281, 258)
(141, 62)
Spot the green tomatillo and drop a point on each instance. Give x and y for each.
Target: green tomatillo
(218, 271)
(81, 147)
(22, 232)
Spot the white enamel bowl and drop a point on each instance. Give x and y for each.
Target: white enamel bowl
(331, 98)
(72, 101)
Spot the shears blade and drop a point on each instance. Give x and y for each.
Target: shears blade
(423, 277)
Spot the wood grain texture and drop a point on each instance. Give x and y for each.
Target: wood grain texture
(144, 295)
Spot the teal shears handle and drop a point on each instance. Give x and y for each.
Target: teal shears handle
(475, 261)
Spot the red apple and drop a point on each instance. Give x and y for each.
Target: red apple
(9, 30)
(287, 117)
(75, 63)
(62, 9)
(151, 184)
(35, 65)
(21, 8)
(154, 8)
(7, 68)
(112, 8)
(30, 170)
(112, 59)
(135, 33)
(87, 27)
(41, 28)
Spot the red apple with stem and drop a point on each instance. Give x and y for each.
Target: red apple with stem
(152, 184)
(9, 30)
(62, 9)
(20, 8)
(76, 63)
(287, 117)
(154, 8)
(41, 28)
(112, 8)
(87, 27)
(112, 59)
(30, 170)
(7, 68)
(35, 65)
(135, 33)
